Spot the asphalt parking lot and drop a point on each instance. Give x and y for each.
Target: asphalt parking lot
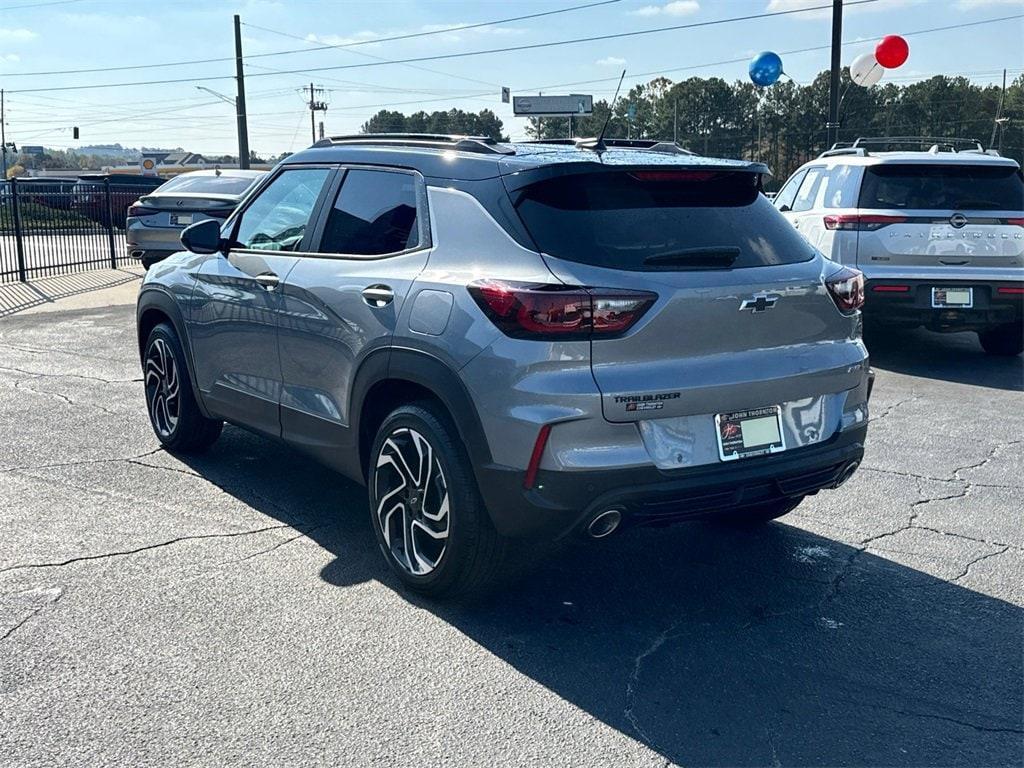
(232, 608)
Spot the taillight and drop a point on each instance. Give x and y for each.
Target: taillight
(219, 213)
(532, 311)
(861, 223)
(1017, 222)
(138, 210)
(891, 288)
(846, 287)
(1010, 290)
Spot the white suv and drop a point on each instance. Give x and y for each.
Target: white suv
(938, 234)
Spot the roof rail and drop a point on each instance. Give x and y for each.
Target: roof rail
(934, 143)
(837, 150)
(651, 145)
(481, 144)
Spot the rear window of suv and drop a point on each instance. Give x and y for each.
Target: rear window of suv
(943, 187)
(660, 220)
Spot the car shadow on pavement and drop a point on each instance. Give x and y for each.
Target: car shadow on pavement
(710, 645)
(956, 357)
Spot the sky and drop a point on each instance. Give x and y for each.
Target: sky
(53, 36)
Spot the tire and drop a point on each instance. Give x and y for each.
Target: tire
(419, 470)
(760, 514)
(1007, 340)
(173, 411)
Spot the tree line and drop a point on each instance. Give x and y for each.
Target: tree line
(783, 125)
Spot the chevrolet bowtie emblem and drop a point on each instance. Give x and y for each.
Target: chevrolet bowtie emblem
(759, 302)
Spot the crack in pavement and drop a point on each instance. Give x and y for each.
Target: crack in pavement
(20, 385)
(41, 374)
(54, 595)
(889, 409)
(84, 462)
(634, 679)
(146, 548)
(945, 718)
(55, 351)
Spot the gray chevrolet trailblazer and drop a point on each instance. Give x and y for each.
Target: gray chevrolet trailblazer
(520, 340)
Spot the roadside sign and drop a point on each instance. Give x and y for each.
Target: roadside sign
(574, 104)
(147, 166)
(506, 95)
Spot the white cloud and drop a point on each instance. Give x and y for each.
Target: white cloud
(610, 61)
(674, 8)
(775, 6)
(19, 35)
(10, 58)
(970, 5)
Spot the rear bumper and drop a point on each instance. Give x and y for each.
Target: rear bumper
(562, 502)
(886, 303)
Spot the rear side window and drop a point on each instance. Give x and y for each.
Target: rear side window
(840, 187)
(375, 214)
(943, 187)
(660, 220)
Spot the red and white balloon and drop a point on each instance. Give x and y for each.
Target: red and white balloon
(891, 52)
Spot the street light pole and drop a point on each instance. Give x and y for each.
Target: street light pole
(243, 127)
(832, 126)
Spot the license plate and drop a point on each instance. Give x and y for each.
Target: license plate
(952, 297)
(181, 218)
(754, 432)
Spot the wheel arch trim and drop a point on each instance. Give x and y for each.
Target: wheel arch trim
(157, 299)
(428, 371)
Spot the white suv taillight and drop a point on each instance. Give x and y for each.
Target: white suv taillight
(846, 287)
(532, 311)
(861, 223)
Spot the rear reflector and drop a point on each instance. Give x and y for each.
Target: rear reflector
(891, 288)
(846, 287)
(1017, 222)
(543, 311)
(861, 223)
(1010, 290)
(536, 456)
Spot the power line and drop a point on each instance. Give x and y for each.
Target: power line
(318, 48)
(464, 54)
(38, 5)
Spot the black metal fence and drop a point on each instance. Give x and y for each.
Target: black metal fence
(59, 226)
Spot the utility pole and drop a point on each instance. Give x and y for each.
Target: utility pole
(832, 126)
(243, 127)
(3, 139)
(315, 106)
(996, 125)
(675, 121)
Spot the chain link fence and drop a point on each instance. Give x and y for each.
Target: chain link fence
(59, 226)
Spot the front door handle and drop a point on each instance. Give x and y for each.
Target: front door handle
(268, 280)
(378, 295)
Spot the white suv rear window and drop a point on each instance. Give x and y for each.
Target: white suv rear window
(943, 187)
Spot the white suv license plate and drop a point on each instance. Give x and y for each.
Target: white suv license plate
(960, 298)
(753, 432)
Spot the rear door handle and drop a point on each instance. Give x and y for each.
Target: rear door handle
(268, 280)
(378, 295)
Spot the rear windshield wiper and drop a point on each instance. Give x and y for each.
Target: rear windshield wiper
(720, 257)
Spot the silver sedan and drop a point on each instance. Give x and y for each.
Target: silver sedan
(155, 221)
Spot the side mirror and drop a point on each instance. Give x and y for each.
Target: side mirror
(202, 237)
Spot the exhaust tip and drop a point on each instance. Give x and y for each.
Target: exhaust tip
(604, 523)
(846, 473)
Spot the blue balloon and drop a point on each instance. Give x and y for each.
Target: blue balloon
(765, 68)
